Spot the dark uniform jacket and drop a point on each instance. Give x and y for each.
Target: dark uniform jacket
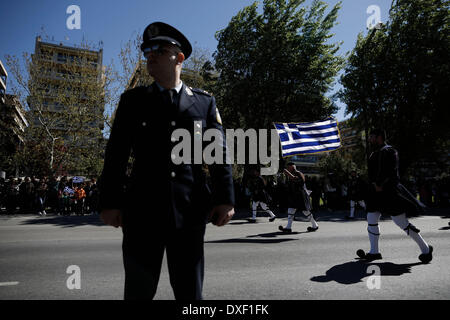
(395, 199)
(356, 189)
(297, 196)
(158, 190)
(257, 189)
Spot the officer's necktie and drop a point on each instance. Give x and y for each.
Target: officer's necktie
(168, 96)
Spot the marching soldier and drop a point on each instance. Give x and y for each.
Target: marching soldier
(356, 189)
(297, 199)
(388, 196)
(171, 217)
(259, 196)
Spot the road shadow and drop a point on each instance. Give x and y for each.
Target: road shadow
(245, 221)
(274, 234)
(353, 272)
(256, 241)
(272, 237)
(66, 221)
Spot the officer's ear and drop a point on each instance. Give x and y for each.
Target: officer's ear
(180, 57)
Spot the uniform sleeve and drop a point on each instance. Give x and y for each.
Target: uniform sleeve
(113, 178)
(389, 172)
(221, 174)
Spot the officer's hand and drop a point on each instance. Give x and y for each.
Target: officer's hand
(112, 217)
(221, 214)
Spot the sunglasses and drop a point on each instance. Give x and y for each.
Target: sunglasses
(156, 49)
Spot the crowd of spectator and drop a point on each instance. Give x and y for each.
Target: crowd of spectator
(332, 193)
(64, 196)
(58, 195)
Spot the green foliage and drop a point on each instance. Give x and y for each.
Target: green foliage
(277, 65)
(397, 78)
(198, 71)
(338, 164)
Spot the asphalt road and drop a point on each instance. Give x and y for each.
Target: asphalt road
(243, 261)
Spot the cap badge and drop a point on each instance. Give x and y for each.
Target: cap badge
(153, 31)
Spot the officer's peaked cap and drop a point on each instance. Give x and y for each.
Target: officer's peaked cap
(162, 32)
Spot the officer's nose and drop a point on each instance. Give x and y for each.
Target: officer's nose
(150, 56)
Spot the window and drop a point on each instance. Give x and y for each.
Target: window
(62, 57)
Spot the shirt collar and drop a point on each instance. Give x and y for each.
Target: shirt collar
(177, 88)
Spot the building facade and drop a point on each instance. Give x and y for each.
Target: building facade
(67, 94)
(63, 78)
(12, 125)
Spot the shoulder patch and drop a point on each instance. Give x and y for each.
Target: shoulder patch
(189, 91)
(197, 90)
(218, 118)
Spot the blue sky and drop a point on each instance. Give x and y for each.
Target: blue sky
(115, 21)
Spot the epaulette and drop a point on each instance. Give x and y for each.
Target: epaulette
(201, 91)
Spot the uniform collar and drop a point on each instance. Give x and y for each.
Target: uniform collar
(186, 98)
(177, 88)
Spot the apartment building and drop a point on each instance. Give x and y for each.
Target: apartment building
(66, 81)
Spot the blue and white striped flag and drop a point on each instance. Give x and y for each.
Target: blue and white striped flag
(312, 137)
(68, 190)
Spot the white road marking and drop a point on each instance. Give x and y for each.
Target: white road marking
(13, 283)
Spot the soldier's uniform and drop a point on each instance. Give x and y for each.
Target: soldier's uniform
(164, 206)
(298, 199)
(259, 197)
(394, 200)
(356, 194)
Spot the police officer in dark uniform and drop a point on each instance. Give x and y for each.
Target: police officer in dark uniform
(173, 214)
(387, 196)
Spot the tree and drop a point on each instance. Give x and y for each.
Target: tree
(337, 164)
(277, 65)
(198, 70)
(397, 78)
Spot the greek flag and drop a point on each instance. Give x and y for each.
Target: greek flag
(68, 190)
(311, 137)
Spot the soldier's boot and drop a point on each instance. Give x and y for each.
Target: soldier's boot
(414, 233)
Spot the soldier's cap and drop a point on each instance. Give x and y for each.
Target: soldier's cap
(378, 132)
(162, 32)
